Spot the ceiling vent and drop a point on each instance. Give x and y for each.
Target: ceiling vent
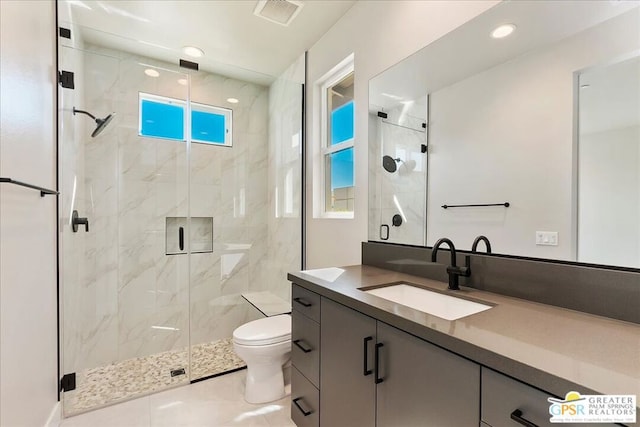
(279, 11)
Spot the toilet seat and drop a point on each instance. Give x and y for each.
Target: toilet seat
(270, 330)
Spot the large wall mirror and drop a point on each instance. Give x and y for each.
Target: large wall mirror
(545, 119)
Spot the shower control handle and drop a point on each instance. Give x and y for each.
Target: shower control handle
(181, 238)
(76, 220)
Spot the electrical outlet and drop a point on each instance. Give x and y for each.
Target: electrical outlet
(547, 238)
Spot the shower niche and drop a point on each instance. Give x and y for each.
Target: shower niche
(180, 231)
(398, 131)
(201, 238)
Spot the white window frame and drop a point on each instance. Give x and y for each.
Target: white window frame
(324, 148)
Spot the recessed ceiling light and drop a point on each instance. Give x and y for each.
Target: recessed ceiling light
(151, 72)
(503, 31)
(232, 100)
(193, 51)
(182, 82)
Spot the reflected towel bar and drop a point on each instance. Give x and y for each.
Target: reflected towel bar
(43, 191)
(505, 204)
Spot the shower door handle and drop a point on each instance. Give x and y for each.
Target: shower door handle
(384, 232)
(76, 221)
(181, 238)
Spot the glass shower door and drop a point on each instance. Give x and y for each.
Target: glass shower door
(125, 266)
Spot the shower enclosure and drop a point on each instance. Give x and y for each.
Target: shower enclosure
(175, 219)
(398, 169)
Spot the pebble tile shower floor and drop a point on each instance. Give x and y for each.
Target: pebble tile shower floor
(119, 381)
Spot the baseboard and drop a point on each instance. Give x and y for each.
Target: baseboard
(55, 417)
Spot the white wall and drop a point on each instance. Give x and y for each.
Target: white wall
(379, 33)
(28, 353)
(609, 186)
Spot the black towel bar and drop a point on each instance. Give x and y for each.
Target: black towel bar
(43, 191)
(505, 204)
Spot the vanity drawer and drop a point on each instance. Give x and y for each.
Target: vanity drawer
(306, 302)
(305, 346)
(501, 396)
(305, 401)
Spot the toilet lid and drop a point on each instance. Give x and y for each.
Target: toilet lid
(270, 330)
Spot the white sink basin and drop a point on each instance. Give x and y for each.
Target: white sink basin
(437, 304)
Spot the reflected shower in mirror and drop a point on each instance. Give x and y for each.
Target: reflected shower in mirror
(501, 123)
(398, 188)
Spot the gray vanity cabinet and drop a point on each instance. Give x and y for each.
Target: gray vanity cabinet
(305, 357)
(347, 392)
(424, 385)
(413, 383)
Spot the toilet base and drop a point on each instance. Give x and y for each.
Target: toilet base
(265, 383)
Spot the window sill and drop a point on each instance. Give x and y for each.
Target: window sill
(336, 215)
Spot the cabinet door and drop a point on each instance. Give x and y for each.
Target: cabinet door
(305, 346)
(347, 395)
(424, 385)
(305, 402)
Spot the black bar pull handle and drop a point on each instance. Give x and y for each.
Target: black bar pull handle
(302, 302)
(181, 238)
(378, 380)
(517, 417)
(299, 343)
(365, 369)
(305, 413)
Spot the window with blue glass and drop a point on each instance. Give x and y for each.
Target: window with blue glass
(162, 117)
(338, 146)
(342, 123)
(210, 124)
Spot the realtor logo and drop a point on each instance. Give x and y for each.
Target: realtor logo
(576, 408)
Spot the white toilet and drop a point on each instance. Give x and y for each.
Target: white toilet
(265, 346)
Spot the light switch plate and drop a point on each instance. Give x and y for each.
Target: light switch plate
(547, 238)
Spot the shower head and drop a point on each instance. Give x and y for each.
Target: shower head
(100, 123)
(390, 164)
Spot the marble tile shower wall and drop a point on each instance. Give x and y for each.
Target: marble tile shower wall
(402, 192)
(135, 299)
(285, 181)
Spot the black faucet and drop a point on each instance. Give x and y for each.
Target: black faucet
(474, 247)
(453, 270)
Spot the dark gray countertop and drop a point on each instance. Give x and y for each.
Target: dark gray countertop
(555, 349)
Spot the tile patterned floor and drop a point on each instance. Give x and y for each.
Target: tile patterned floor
(217, 402)
(119, 381)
